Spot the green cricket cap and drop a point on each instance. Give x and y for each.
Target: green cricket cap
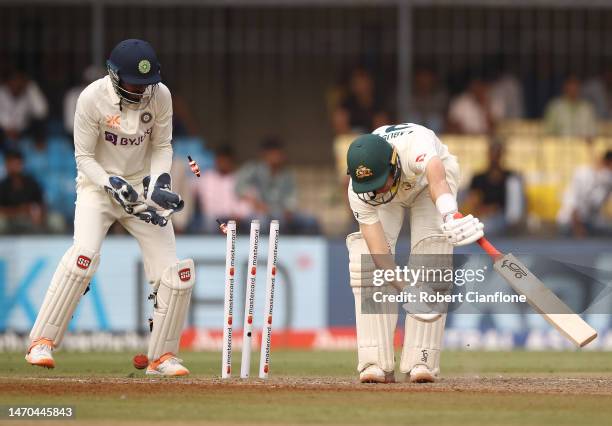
(369, 162)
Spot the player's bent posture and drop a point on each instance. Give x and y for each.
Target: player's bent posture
(122, 139)
(397, 167)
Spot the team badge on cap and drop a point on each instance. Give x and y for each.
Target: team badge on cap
(363, 172)
(144, 66)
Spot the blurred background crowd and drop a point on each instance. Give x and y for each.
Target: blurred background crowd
(268, 98)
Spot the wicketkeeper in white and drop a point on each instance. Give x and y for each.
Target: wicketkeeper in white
(122, 139)
(397, 167)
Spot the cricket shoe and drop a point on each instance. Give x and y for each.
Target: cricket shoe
(39, 353)
(167, 365)
(420, 374)
(374, 374)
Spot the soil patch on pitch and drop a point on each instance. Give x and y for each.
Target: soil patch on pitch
(139, 386)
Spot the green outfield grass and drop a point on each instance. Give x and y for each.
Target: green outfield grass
(203, 400)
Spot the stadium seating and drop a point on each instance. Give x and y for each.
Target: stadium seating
(472, 153)
(54, 167)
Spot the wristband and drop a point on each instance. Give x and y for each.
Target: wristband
(446, 205)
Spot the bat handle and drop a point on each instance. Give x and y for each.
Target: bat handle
(484, 243)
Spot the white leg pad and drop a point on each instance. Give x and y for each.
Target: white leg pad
(170, 310)
(375, 322)
(422, 344)
(422, 339)
(68, 284)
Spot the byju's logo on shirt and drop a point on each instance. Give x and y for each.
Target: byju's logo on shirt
(110, 137)
(135, 141)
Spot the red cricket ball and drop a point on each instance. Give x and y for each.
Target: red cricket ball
(140, 361)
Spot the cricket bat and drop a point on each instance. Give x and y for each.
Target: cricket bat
(541, 299)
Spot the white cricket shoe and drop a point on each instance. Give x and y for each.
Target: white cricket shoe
(167, 365)
(421, 374)
(374, 374)
(39, 353)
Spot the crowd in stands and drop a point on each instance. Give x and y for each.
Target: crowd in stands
(568, 107)
(38, 170)
(37, 167)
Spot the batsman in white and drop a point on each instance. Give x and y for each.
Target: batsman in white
(398, 167)
(122, 139)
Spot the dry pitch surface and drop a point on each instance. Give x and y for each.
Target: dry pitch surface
(320, 388)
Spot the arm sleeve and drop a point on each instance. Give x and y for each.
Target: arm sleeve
(85, 139)
(161, 148)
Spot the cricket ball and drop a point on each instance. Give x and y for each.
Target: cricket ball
(140, 361)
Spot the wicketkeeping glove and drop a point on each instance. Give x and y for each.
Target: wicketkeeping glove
(122, 192)
(150, 215)
(158, 193)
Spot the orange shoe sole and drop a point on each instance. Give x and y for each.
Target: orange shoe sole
(179, 373)
(46, 363)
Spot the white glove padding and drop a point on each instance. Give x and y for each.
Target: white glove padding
(158, 193)
(122, 192)
(463, 231)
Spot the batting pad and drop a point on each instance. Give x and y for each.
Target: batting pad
(422, 344)
(423, 339)
(432, 256)
(375, 322)
(170, 309)
(68, 284)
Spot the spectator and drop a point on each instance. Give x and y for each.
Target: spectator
(506, 91)
(215, 192)
(428, 101)
(361, 110)
(496, 196)
(23, 109)
(91, 74)
(583, 201)
(269, 188)
(569, 115)
(474, 111)
(541, 85)
(21, 200)
(598, 91)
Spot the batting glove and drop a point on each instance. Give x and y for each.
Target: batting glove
(463, 231)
